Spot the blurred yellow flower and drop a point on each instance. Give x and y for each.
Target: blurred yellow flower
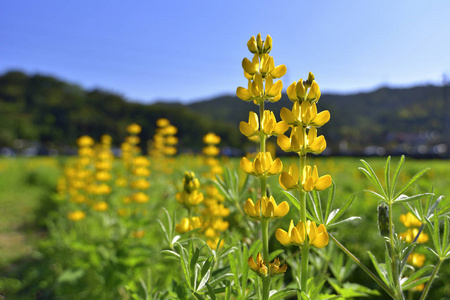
(409, 220)
(140, 197)
(411, 233)
(211, 138)
(134, 128)
(187, 224)
(76, 215)
(100, 206)
(85, 141)
(416, 259)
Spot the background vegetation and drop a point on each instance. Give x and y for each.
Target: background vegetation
(414, 121)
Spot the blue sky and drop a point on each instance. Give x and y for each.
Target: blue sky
(192, 50)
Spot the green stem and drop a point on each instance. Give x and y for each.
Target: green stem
(362, 266)
(304, 277)
(427, 287)
(265, 241)
(394, 256)
(266, 287)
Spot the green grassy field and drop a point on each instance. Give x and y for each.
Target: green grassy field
(27, 240)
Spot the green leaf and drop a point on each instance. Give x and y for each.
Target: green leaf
(343, 209)
(204, 281)
(275, 253)
(343, 221)
(297, 205)
(206, 266)
(376, 194)
(415, 283)
(198, 296)
(387, 173)
(436, 239)
(317, 205)
(411, 182)
(404, 198)
(282, 294)
(397, 173)
(70, 276)
(171, 254)
(194, 259)
(220, 278)
(233, 268)
(372, 176)
(417, 274)
(381, 274)
(184, 258)
(330, 200)
(211, 292)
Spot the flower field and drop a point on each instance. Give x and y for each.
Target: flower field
(278, 223)
(37, 235)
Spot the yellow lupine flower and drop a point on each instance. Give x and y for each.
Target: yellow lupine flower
(295, 143)
(215, 242)
(133, 140)
(251, 45)
(269, 125)
(140, 184)
(304, 114)
(266, 207)
(141, 161)
(86, 151)
(140, 197)
(100, 206)
(134, 128)
(259, 267)
(312, 181)
(211, 139)
(275, 269)
(299, 235)
(85, 141)
(263, 165)
(411, 233)
(211, 150)
(103, 176)
(170, 150)
(162, 122)
(251, 67)
(141, 171)
(76, 215)
(187, 224)
(416, 259)
(297, 91)
(289, 180)
(189, 199)
(409, 220)
(171, 140)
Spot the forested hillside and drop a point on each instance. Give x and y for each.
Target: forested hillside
(53, 112)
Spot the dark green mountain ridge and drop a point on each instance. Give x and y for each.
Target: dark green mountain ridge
(53, 112)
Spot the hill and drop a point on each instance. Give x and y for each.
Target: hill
(53, 112)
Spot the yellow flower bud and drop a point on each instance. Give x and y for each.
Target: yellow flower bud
(267, 44)
(251, 45)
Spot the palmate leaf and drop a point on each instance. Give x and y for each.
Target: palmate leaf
(369, 172)
(417, 275)
(415, 283)
(411, 182)
(341, 211)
